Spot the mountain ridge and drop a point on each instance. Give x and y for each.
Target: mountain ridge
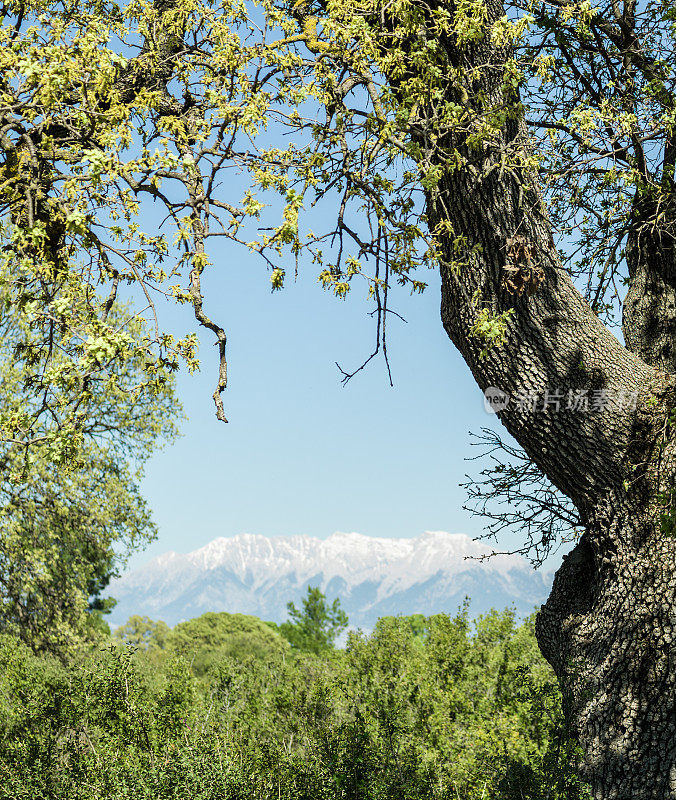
(373, 576)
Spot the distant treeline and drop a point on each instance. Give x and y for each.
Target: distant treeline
(229, 707)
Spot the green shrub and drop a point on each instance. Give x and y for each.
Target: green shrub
(438, 709)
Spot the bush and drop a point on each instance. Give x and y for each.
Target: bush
(434, 708)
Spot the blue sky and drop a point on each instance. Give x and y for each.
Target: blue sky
(301, 453)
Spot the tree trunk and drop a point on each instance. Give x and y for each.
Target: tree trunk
(649, 309)
(609, 631)
(609, 627)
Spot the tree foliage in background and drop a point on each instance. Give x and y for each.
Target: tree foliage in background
(143, 633)
(60, 540)
(315, 626)
(207, 640)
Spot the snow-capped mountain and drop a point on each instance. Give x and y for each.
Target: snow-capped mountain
(372, 577)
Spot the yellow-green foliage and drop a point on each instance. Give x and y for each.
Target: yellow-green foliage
(117, 105)
(70, 516)
(365, 107)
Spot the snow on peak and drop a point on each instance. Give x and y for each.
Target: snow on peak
(259, 574)
(256, 560)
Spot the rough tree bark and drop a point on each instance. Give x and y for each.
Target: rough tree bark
(609, 626)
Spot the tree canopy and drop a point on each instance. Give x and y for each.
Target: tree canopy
(143, 633)
(316, 625)
(186, 93)
(214, 637)
(71, 516)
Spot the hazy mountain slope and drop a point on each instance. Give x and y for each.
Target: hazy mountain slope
(373, 577)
